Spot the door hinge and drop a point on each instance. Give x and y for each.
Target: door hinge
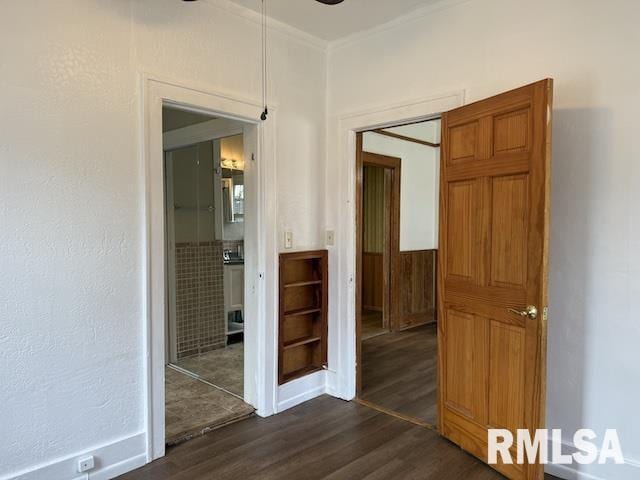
(545, 313)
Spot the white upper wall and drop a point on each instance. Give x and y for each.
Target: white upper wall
(488, 46)
(418, 188)
(72, 255)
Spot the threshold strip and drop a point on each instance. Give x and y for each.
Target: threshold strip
(400, 416)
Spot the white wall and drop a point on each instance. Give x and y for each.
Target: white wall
(71, 203)
(488, 46)
(418, 188)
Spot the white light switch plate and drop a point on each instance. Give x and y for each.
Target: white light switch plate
(331, 238)
(288, 239)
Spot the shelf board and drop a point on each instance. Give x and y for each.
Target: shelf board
(300, 373)
(298, 342)
(302, 311)
(303, 284)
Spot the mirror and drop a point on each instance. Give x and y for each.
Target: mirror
(233, 195)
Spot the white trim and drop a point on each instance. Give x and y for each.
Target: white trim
(300, 390)
(341, 380)
(412, 16)
(289, 31)
(201, 132)
(111, 460)
(260, 244)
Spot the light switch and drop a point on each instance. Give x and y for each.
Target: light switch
(288, 239)
(331, 238)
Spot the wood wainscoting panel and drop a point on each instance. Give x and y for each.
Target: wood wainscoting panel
(417, 287)
(372, 281)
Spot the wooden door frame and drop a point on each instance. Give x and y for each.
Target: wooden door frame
(391, 254)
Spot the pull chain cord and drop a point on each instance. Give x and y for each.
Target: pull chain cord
(265, 113)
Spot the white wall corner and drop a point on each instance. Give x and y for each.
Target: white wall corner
(112, 460)
(275, 25)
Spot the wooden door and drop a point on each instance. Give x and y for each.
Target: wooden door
(494, 216)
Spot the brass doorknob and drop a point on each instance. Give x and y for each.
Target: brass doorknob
(531, 311)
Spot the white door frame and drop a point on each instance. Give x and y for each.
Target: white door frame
(260, 245)
(342, 327)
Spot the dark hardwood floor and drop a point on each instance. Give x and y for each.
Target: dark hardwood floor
(324, 438)
(399, 372)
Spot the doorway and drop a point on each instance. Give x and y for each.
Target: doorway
(204, 208)
(397, 224)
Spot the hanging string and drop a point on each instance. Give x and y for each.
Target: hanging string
(265, 113)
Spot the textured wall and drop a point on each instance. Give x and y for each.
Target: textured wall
(71, 198)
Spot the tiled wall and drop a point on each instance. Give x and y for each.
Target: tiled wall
(200, 323)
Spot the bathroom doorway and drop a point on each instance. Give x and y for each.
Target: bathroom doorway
(204, 207)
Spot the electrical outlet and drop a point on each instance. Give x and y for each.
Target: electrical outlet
(288, 239)
(331, 238)
(86, 463)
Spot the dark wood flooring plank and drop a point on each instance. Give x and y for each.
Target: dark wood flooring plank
(399, 372)
(324, 438)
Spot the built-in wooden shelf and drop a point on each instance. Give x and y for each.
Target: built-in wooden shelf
(303, 284)
(300, 373)
(302, 311)
(302, 343)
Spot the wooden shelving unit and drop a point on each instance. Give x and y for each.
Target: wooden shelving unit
(302, 332)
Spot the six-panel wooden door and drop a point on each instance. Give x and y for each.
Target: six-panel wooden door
(494, 216)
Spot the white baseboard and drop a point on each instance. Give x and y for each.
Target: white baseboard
(300, 390)
(630, 470)
(111, 460)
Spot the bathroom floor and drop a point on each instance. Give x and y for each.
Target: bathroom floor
(194, 408)
(208, 398)
(223, 367)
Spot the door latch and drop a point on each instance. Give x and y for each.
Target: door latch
(531, 311)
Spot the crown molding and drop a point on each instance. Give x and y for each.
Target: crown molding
(393, 24)
(289, 31)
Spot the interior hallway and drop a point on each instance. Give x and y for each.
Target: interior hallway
(399, 372)
(324, 438)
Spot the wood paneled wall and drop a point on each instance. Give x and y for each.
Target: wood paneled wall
(417, 289)
(372, 281)
(373, 205)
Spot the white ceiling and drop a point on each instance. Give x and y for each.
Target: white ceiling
(337, 21)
